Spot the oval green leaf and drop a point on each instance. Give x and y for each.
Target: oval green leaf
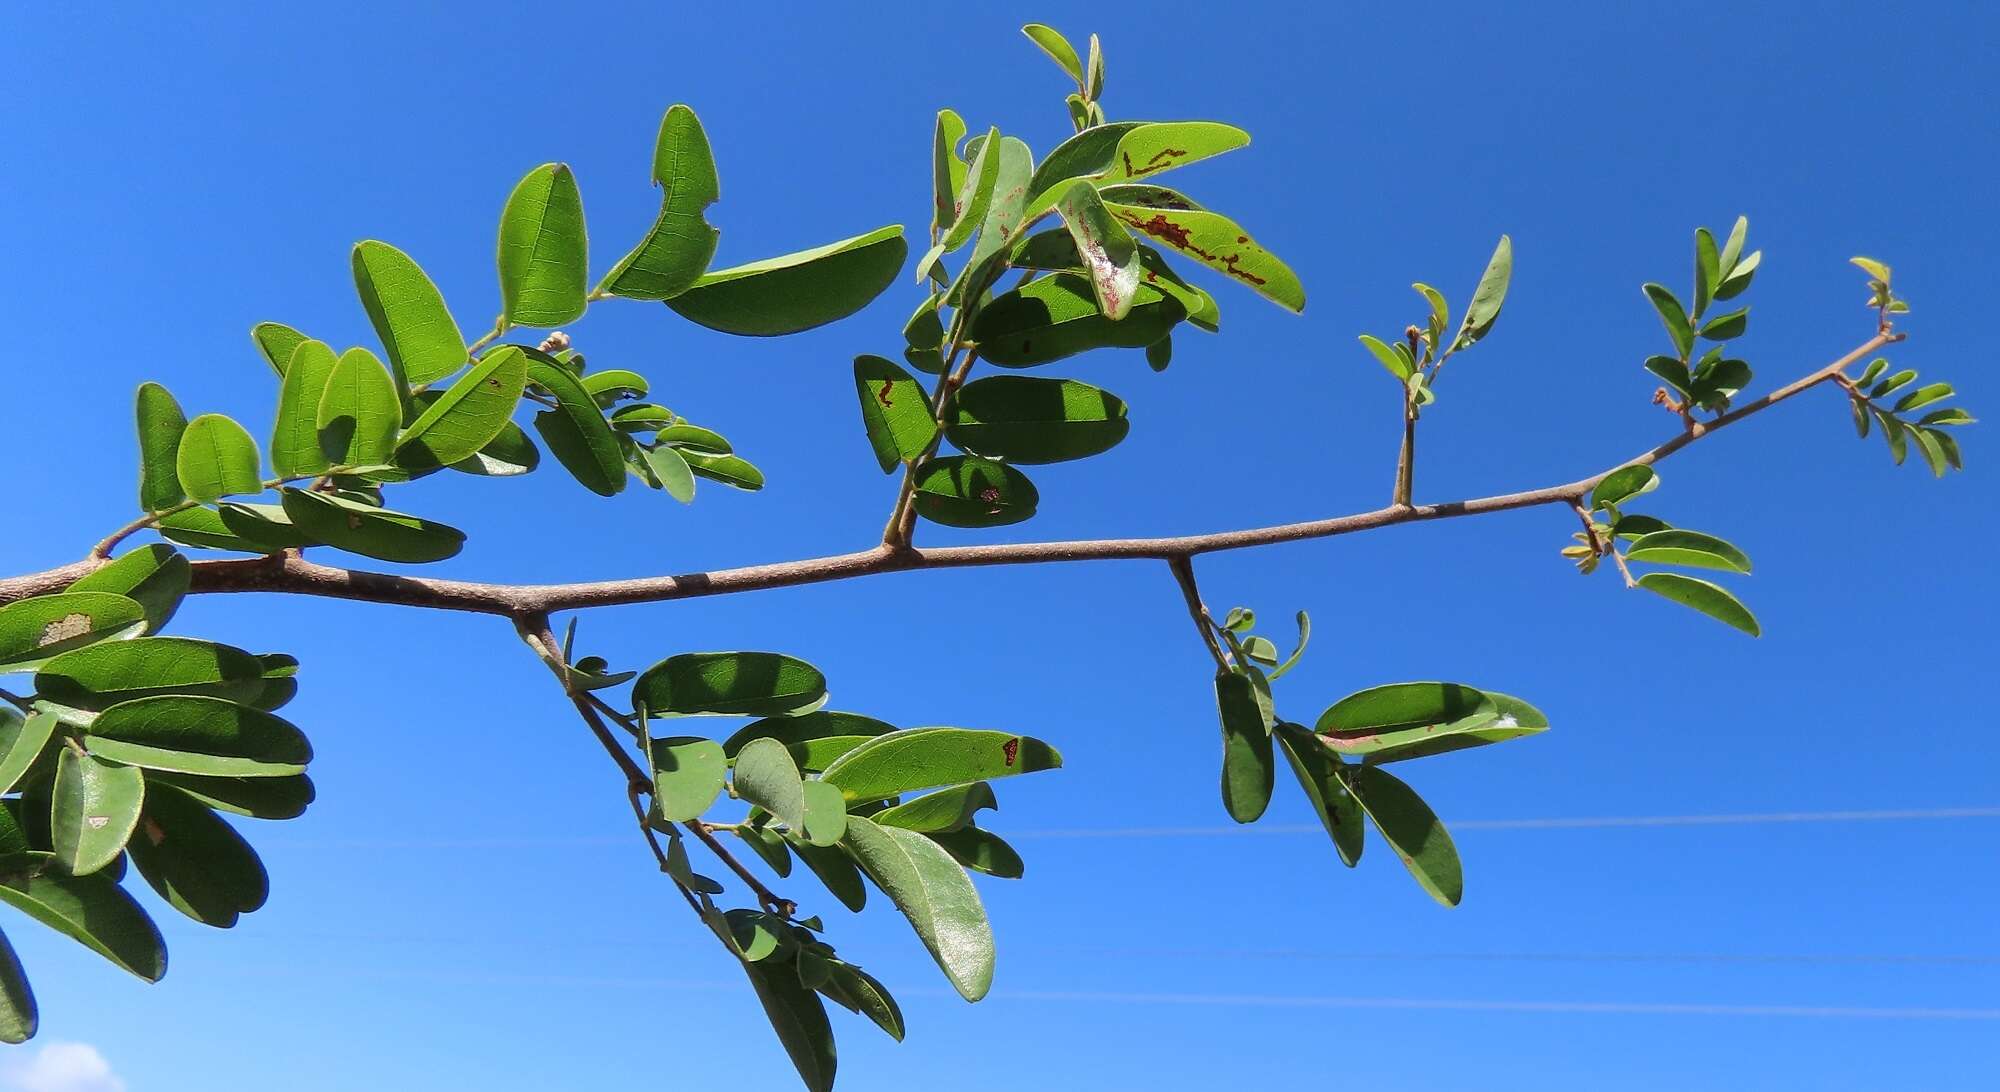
(1412, 830)
(814, 739)
(155, 576)
(895, 411)
(1704, 597)
(1056, 317)
(161, 424)
(470, 414)
(369, 531)
(688, 775)
(1247, 770)
(576, 432)
(544, 252)
(1022, 419)
(217, 458)
(729, 684)
(795, 292)
(930, 758)
(94, 911)
(295, 443)
(935, 894)
(966, 491)
(1319, 774)
(35, 631)
(408, 313)
(1678, 547)
(209, 737)
(196, 860)
(104, 675)
(95, 807)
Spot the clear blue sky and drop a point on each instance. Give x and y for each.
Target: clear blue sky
(466, 906)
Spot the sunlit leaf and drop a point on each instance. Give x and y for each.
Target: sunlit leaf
(676, 252)
(543, 253)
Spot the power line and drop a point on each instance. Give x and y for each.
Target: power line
(1215, 1000)
(1569, 823)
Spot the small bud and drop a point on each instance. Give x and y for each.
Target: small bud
(555, 343)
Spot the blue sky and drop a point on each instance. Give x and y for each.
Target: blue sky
(466, 906)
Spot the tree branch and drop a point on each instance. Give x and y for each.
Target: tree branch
(297, 576)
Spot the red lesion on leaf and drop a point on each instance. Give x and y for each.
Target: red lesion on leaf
(1011, 749)
(1158, 161)
(882, 395)
(1178, 236)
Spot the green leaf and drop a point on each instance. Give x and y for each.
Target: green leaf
(1704, 597)
(1707, 269)
(105, 674)
(688, 773)
(217, 458)
(795, 292)
(35, 631)
(975, 193)
(695, 438)
(1397, 706)
(254, 797)
(94, 911)
(939, 812)
(1515, 719)
(1873, 268)
(981, 851)
(947, 171)
(544, 251)
(1739, 277)
(161, 424)
(1949, 416)
(814, 739)
(1412, 830)
(767, 777)
(1725, 263)
(834, 869)
(1318, 771)
(577, 433)
(470, 414)
(613, 385)
(935, 894)
(95, 809)
(894, 410)
(1715, 383)
(1006, 216)
(799, 1018)
(1021, 419)
(22, 741)
(1110, 257)
(1219, 243)
(671, 469)
(1672, 372)
(1928, 446)
(359, 413)
(855, 990)
(930, 758)
(1893, 383)
(1398, 365)
(1623, 484)
(826, 814)
(1129, 151)
(1305, 635)
(1677, 547)
(266, 526)
(676, 252)
(965, 491)
(1896, 434)
(1725, 327)
(923, 336)
(1673, 316)
(729, 684)
(369, 531)
(1056, 317)
(276, 342)
(1924, 396)
(1160, 354)
(1490, 293)
(767, 844)
(1060, 51)
(409, 316)
(727, 469)
(20, 1018)
(210, 737)
(1246, 746)
(196, 860)
(295, 446)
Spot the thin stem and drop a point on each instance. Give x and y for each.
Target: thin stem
(103, 549)
(1406, 458)
(902, 516)
(16, 701)
(1183, 570)
(500, 326)
(1597, 542)
(301, 577)
(772, 902)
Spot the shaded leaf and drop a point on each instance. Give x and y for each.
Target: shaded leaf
(966, 491)
(205, 736)
(795, 292)
(95, 808)
(814, 739)
(1022, 419)
(729, 684)
(576, 432)
(1246, 747)
(1318, 772)
(1412, 830)
(370, 531)
(196, 860)
(1056, 317)
(981, 851)
(102, 675)
(94, 911)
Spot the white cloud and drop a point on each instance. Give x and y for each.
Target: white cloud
(61, 1067)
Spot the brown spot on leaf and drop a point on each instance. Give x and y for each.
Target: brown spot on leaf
(882, 395)
(64, 628)
(1011, 749)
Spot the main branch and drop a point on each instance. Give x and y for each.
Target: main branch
(298, 576)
